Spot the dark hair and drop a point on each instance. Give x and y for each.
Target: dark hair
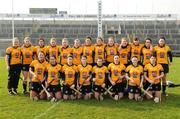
(83, 56)
(88, 37)
(116, 55)
(40, 51)
(148, 39)
(100, 58)
(134, 57)
(162, 37)
(136, 38)
(41, 39)
(53, 56)
(100, 38)
(70, 55)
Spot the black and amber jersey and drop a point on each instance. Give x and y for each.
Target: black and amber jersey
(77, 53)
(162, 54)
(135, 74)
(124, 54)
(53, 51)
(14, 55)
(88, 51)
(39, 48)
(84, 73)
(64, 52)
(110, 52)
(146, 55)
(100, 74)
(153, 72)
(99, 51)
(40, 69)
(53, 74)
(27, 54)
(136, 50)
(69, 74)
(116, 70)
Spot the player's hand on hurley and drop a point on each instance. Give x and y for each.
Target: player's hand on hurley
(113, 83)
(94, 79)
(86, 81)
(103, 85)
(72, 86)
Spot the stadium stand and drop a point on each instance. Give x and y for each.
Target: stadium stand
(79, 26)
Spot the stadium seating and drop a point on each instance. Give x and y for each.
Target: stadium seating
(80, 29)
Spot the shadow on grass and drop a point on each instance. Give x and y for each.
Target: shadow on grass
(145, 105)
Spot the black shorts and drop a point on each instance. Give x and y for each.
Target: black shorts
(35, 86)
(25, 67)
(134, 89)
(124, 82)
(67, 90)
(54, 88)
(98, 88)
(85, 89)
(154, 87)
(166, 68)
(119, 87)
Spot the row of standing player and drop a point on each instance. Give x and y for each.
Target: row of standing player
(125, 51)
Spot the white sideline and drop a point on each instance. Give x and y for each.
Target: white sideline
(46, 111)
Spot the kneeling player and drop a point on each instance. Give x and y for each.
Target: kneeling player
(135, 77)
(84, 78)
(53, 85)
(100, 72)
(69, 75)
(117, 73)
(153, 74)
(38, 71)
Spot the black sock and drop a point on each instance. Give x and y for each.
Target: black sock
(24, 86)
(10, 90)
(163, 88)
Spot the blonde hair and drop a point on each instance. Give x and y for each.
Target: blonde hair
(65, 39)
(27, 38)
(53, 39)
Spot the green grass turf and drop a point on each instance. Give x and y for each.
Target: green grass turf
(21, 107)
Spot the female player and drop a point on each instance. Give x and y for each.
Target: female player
(136, 48)
(13, 63)
(124, 51)
(111, 50)
(88, 50)
(117, 73)
(153, 73)
(77, 52)
(100, 73)
(147, 51)
(85, 75)
(27, 57)
(162, 52)
(135, 76)
(65, 50)
(99, 49)
(53, 81)
(38, 70)
(69, 77)
(53, 50)
(41, 47)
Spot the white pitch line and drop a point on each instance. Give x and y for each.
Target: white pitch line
(45, 112)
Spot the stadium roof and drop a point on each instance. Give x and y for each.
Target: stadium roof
(90, 17)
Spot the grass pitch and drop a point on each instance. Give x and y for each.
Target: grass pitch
(21, 107)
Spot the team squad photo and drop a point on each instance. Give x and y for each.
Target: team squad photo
(86, 70)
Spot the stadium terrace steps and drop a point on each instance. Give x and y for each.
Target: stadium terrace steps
(81, 29)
